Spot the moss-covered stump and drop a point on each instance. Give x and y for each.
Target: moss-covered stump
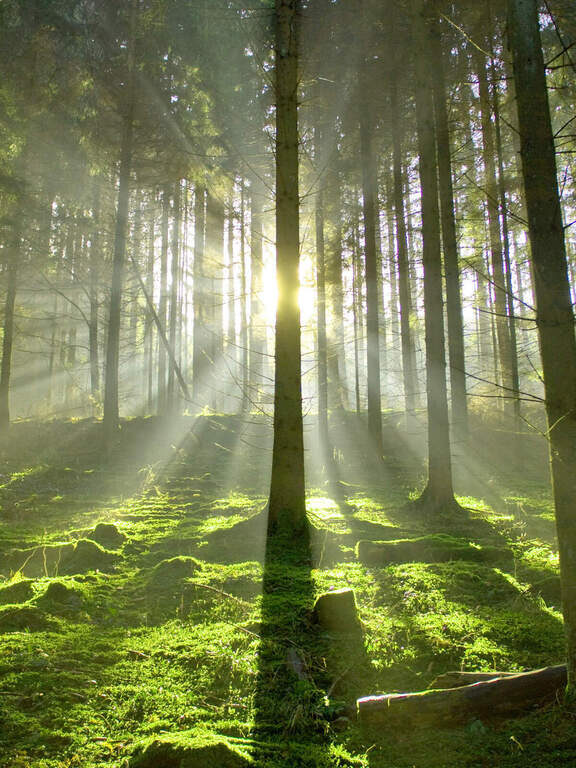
(174, 569)
(435, 548)
(191, 751)
(20, 618)
(335, 611)
(88, 556)
(107, 535)
(61, 597)
(17, 592)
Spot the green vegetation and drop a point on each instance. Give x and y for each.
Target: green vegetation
(182, 640)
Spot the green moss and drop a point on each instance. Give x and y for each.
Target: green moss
(174, 569)
(18, 591)
(107, 535)
(87, 556)
(19, 618)
(189, 750)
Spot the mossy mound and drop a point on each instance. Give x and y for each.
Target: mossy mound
(107, 535)
(17, 592)
(174, 569)
(435, 548)
(40, 561)
(19, 618)
(245, 540)
(190, 751)
(88, 556)
(61, 597)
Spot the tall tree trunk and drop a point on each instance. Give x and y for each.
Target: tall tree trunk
(174, 285)
(498, 277)
(555, 317)
(11, 267)
(149, 331)
(406, 312)
(449, 241)
(200, 298)
(514, 374)
(438, 494)
(163, 303)
(369, 193)
(336, 351)
(287, 505)
(111, 407)
(244, 395)
(94, 286)
(322, 370)
(231, 345)
(257, 329)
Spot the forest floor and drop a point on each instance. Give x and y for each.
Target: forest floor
(168, 638)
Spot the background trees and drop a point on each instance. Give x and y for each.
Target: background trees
(138, 236)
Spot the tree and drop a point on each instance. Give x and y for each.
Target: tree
(555, 317)
(438, 494)
(287, 506)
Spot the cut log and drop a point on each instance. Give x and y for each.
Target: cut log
(435, 548)
(336, 611)
(507, 695)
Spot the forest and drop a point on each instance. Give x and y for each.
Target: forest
(287, 384)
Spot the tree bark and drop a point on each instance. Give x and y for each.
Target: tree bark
(369, 194)
(174, 286)
(507, 695)
(554, 315)
(406, 312)
(287, 506)
(111, 407)
(449, 241)
(199, 298)
(497, 262)
(438, 493)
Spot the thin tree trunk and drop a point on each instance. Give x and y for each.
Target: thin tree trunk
(244, 399)
(369, 192)
(514, 374)
(163, 303)
(11, 266)
(94, 284)
(257, 330)
(322, 370)
(406, 312)
(438, 493)
(449, 240)
(111, 406)
(498, 277)
(174, 285)
(199, 349)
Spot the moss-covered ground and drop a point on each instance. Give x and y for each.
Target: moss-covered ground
(146, 621)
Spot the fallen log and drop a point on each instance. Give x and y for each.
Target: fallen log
(433, 548)
(456, 679)
(499, 696)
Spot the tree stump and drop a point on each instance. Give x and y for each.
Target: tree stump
(335, 611)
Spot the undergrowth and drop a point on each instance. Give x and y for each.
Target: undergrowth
(177, 633)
